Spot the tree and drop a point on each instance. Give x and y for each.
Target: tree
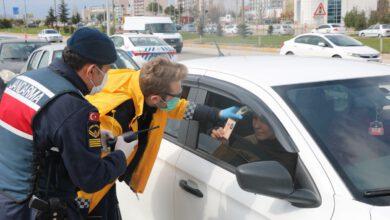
(100, 17)
(64, 12)
(154, 7)
(50, 18)
(215, 13)
(76, 18)
(172, 12)
(243, 29)
(355, 19)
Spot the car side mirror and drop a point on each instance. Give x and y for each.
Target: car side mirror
(321, 44)
(272, 179)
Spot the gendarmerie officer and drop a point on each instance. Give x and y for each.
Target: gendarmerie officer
(50, 140)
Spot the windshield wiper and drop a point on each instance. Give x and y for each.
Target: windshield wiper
(377, 192)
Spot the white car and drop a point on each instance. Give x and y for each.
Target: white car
(230, 29)
(331, 163)
(282, 29)
(43, 56)
(329, 45)
(50, 35)
(329, 28)
(144, 47)
(377, 30)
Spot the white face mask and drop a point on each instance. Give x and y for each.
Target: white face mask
(96, 89)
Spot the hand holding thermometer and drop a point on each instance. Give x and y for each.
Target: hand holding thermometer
(128, 136)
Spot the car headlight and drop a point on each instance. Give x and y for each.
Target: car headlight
(354, 54)
(7, 75)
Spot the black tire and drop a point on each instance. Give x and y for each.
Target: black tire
(289, 53)
(362, 35)
(336, 56)
(178, 49)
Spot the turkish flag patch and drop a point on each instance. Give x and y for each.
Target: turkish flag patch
(94, 116)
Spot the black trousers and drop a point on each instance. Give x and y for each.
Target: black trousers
(108, 207)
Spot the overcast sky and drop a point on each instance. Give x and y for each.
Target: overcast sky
(40, 7)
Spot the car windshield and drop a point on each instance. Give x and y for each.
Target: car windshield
(163, 28)
(19, 50)
(147, 41)
(51, 32)
(386, 26)
(124, 61)
(350, 120)
(343, 41)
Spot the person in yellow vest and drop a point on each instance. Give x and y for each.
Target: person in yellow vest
(136, 100)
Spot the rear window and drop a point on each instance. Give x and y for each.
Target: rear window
(386, 26)
(336, 25)
(51, 32)
(146, 41)
(19, 50)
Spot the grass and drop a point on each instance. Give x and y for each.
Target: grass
(22, 30)
(273, 41)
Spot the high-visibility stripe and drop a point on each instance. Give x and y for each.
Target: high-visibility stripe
(22, 99)
(16, 131)
(37, 85)
(16, 114)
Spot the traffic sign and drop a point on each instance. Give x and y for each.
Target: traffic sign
(15, 10)
(320, 11)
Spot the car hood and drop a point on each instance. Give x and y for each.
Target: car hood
(380, 213)
(13, 66)
(359, 50)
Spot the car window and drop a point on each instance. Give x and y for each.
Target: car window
(44, 60)
(335, 25)
(18, 50)
(302, 40)
(376, 27)
(30, 62)
(57, 54)
(252, 138)
(386, 26)
(323, 26)
(315, 40)
(35, 60)
(124, 61)
(146, 41)
(343, 40)
(173, 126)
(118, 41)
(51, 32)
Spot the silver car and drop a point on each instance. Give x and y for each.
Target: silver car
(377, 30)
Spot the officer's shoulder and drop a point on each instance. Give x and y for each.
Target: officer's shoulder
(71, 101)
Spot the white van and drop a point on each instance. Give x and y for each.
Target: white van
(162, 27)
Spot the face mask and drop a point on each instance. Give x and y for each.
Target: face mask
(96, 89)
(171, 104)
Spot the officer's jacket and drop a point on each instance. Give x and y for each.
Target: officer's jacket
(123, 85)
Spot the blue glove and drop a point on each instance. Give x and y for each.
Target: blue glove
(230, 113)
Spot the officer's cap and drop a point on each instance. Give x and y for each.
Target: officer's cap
(92, 45)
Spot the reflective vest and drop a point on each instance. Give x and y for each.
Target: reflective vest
(24, 97)
(123, 85)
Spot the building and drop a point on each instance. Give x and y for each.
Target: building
(309, 12)
(140, 7)
(265, 9)
(192, 9)
(94, 13)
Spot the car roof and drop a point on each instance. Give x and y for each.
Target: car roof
(18, 40)
(276, 70)
(320, 34)
(135, 35)
(53, 47)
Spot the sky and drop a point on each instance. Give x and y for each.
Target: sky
(39, 8)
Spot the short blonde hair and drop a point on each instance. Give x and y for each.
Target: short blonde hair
(158, 74)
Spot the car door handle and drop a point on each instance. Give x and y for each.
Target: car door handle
(196, 192)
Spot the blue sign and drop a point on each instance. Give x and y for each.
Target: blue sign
(15, 10)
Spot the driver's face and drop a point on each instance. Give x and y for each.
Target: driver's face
(262, 130)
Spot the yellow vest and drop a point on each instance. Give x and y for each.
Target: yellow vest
(123, 85)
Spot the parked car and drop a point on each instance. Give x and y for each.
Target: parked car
(143, 47)
(210, 29)
(282, 29)
(189, 28)
(329, 45)
(377, 30)
(14, 53)
(162, 27)
(50, 35)
(323, 159)
(329, 28)
(43, 56)
(230, 29)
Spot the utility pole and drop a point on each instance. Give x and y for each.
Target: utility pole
(5, 14)
(55, 11)
(243, 11)
(113, 14)
(25, 13)
(108, 17)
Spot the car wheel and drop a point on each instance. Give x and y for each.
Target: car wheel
(289, 53)
(336, 56)
(362, 35)
(178, 49)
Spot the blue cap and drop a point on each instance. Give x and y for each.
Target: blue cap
(92, 45)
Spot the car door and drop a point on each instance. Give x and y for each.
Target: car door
(206, 186)
(32, 64)
(320, 51)
(375, 31)
(156, 203)
(301, 46)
